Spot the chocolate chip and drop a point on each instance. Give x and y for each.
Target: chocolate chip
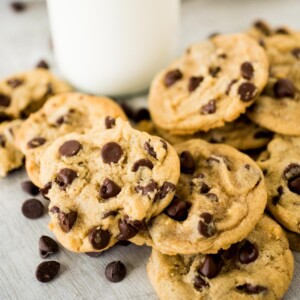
(214, 34)
(296, 52)
(123, 243)
(204, 188)
(248, 253)
(99, 238)
(262, 43)
(127, 231)
(67, 220)
(247, 70)
(194, 82)
(171, 77)
(70, 148)
(109, 214)
(165, 145)
(47, 271)
(115, 271)
(14, 82)
(200, 283)
(47, 246)
(109, 189)
(94, 254)
(251, 289)
(149, 149)
(263, 134)
(211, 266)
(206, 225)
(142, 163)
(232, 82)
(212, 197)
(294, 185)
(223, 55)
(247, 91)
(178, 210)
(231, 252)
(128, 111)
(54, 210)
(61, 120)
(42, 64)
(147, 189)
(282, 30)
(263, 27)
(29, 188)
(36, 142)
(65, 177)
(18, 6)
(214, 71)
(276, 198)
(45, 190)
(166, 188)
(32, 209)
(4, 100)
(187, 163)
(209, 108)
(142, 114)
(284, 88)
(2, 140)
(110, 122)
(291, 171)
(111, 153)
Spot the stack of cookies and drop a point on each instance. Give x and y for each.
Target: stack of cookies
(183, 183)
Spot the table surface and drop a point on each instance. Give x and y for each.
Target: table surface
(24, 40)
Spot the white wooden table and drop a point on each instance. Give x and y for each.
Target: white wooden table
(24, 40)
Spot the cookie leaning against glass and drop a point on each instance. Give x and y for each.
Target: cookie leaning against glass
(61, 114)
(105, 185)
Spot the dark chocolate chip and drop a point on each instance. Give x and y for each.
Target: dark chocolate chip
(204, 188)
(214, 71)
(2, 140)
(110, 122)
(291, 171)
(111, 153)
(67, 220)
(296, 52)
(109, 189)
(36, 142)
(263, 27)
(251, 289)
(32, 209)
(178, 210)
(212, 197)
(247, 70)
(194, 82)
(166, 188)
(14, 82)
(263, 134)
(165, 145)
(247, 91)
(209, 108)
(18, 6)
(206, 225)
(42, 64)
(187, 163)
(232, 82)
(142, 163)
(262, 43)
(248, 253)
(4, 100)
(200, 283)
(99, 238)
(137, 224)
(47, 271)
(127, 231)
(123, 243)
(70, 148)
(93, 254)
(115, 271)
(47, 246)
(211, 266)
(54, 210)
(149, 188)
(128, 111)
(231, 252)
(284, 88)
(142, 114)
(282, 30)
(276, 198)
(149, 149)
(294, 185)
(45, 190)
(29, 188)
(61, 120)
(65, 177)
(171, 77)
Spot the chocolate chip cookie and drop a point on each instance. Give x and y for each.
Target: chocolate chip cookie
(281, 166)
(24, 93)
(219, 199)
(10, 156)
(212, 83)
(105, 185)
(62, 114)
(259, 267)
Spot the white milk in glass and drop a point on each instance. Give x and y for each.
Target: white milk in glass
(113, 47)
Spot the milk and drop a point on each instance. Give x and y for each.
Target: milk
(113, 47)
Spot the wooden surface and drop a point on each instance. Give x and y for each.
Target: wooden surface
(24, 39)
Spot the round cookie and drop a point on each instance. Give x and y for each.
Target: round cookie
(259, 267)
(62, 114)
(105, 185)
(212, 83)
(24, 93)
(10, 156)
(281, 167)
(219, 199)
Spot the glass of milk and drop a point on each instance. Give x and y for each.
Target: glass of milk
(113, 47)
